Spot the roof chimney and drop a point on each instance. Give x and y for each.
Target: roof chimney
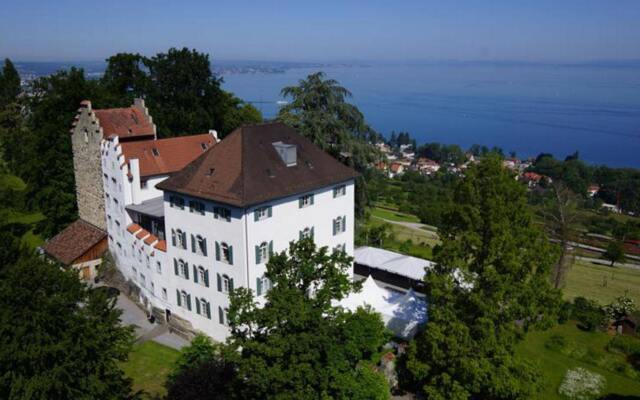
(214, 133)
(287, 153)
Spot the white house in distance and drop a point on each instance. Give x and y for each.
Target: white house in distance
(190, 218)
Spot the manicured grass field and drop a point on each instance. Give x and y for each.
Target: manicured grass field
(422, 240)
(148, 365)
(393, 215)
(554, 363)
(602, 283)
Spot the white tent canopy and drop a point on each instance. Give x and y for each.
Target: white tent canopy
(402, 314)
(400, 264)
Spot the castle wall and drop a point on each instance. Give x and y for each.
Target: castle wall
(86, 136)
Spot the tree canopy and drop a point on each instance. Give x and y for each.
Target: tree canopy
(59, 339)
(296, 344)
(492, 276)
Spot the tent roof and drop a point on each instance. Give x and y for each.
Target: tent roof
(410, 267)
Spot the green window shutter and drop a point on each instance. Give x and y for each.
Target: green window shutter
(230, 284)
(335, 192)
(270, 248)
(220, 315)
(258, 255)
(259, 286)
(173, 238)
(269, 212)
(300, 202)
(204, 247)
(334, 227)
(219, 283)
(189, 302)
(300, 235)
(231, 255)
(206, 277)
(344, 223)
(175, 266)
(186, 270)
(178, 298)
(193, 243)
(217, 251)
(195, 273)
(197, 305)
(312, 234)
(208, 309)
(312, 196)
(255, 215)
(184, 240)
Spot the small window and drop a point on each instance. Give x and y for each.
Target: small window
(179, 238)
(339, 191)
(202, 276)
(155, 152)
(306, 233)
(176, 202)
(144, 184)
(200, 245)
(263, 285)
(183, 269)
(263, 252)
(185, 299)
(196, 207)
(143, 280)
(203, 146)
(158, 267)
(226, 252)
(164, 293)
(153, 288)
(340, 248)
(225, 283)
(339, 225)
(262, 213)
(222, 213)
(222, 316)
(305, 201)
(203, 308)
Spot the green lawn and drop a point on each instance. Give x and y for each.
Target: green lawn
(602, 283)
(148, 365)
(393, 215)
(588, 352)
(422, 240)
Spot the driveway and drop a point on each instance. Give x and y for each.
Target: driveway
(144, 330)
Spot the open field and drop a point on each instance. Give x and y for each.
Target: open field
(148, 365)
(393, 215)
(588, 352)
(422, 241)
(602, 283)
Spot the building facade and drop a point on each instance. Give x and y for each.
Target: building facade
(189, 219)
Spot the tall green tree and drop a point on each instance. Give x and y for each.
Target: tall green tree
(58, 338)
(615, 252)
(298, 345)
(9, 83)
(319, 110)
(491, 281)
(185, 96)
(126, 78)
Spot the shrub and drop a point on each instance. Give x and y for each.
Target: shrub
(556, 342)
(588, 313)
(565, 312)
(581, 384)
(628, 345)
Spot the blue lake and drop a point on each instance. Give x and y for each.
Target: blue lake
(527, 109)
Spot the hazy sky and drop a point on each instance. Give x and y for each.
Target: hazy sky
(324, 30)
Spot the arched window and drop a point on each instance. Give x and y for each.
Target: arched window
(226, 253)
(264, 251)
(180, 236)
(226, 284)
(184, 268)
(201, 275)
(201, 245)
(184, 298)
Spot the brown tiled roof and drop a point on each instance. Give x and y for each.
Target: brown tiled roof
(142, 234)
(161, 245)
(173, 153)
(124, 122)
(73, 241)
(245, 169)
(133, 228)
(150, 239)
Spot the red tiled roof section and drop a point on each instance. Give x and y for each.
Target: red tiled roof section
(161, 245)
(165, 156)
(133, 228)
(245, 169)
(150, 239)
(142, 234)
(124, 122)
(73, 241)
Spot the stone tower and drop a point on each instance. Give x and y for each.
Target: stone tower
(89, 128)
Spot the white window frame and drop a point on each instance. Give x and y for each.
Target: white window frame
(183, 268)
(201, 275)
(201, 245)
(225, 253)
(264, 252)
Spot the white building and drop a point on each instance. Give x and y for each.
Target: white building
(189, 218)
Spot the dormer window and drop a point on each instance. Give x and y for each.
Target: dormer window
(287, 153)
(155, 152)
(203, 146)
(305, 201)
